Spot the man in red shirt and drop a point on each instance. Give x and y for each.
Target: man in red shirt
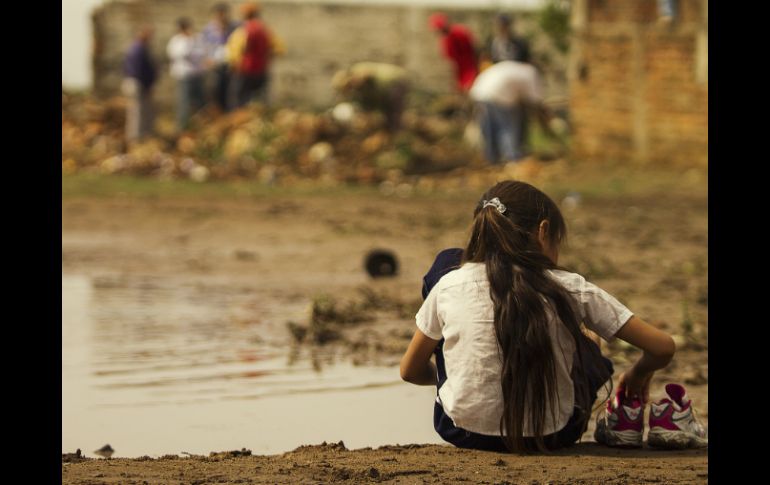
(457, 45)
(251, 77)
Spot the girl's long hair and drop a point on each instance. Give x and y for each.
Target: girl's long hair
(523, 295)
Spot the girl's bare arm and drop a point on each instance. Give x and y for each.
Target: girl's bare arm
(658, 348)
(416, 366)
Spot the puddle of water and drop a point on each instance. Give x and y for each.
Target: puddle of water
(154, 367)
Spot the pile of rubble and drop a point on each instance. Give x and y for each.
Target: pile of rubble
(273, 146)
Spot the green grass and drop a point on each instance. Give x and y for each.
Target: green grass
(599, 181)
(97, 185)
(591, 181)
(542, 143)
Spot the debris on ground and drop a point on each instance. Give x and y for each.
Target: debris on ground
(282, 146)
(73, 457)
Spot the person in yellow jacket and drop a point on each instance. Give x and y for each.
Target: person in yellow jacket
(234, 47)
(236, 43)
(251, 68)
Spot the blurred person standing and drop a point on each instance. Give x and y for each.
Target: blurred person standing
(503, 93)
(187, 54)
(250, 49)
(215, 36)
(457, 45)
(140, 75)
(504, 45)
(375, 86)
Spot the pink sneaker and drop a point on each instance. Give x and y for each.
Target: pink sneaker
(621, 423)
(673, 423)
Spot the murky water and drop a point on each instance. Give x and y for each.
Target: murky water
(155, 367)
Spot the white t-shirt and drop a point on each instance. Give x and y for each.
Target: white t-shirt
(187, 54)
(460, 310)
(506, 83)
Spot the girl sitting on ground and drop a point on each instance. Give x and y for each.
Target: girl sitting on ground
(516, 369)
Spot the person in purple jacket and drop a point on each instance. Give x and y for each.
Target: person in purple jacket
(215, 36)
(140, 75)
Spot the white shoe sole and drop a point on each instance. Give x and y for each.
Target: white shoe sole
(620, 439)
(679, 440)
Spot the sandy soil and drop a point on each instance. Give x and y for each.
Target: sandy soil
(649, 249)
(585, 463)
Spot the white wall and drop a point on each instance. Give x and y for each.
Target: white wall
(76, 29)
(76, 42)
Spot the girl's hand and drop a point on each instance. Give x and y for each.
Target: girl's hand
(658, 350)
(636, 384)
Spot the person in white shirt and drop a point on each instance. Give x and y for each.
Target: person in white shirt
(187, 54)
(503, 94)
(518, 365)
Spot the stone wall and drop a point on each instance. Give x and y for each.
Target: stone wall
(639, 88)
(320, 37)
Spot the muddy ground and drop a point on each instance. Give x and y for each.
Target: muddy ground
(586, 463)
(644, 243)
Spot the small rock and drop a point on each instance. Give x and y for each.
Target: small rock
(320, 152)
(186, 165)
(114, 164)
(343, 113)
(199, 173)
(404, 190)
(240, 142)
(186, 145)
(571, 201)
(559, 126)
(374, 143)
(472, 135)
(387, 188)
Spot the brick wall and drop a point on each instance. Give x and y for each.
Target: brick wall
(639, 89)
(320, 37)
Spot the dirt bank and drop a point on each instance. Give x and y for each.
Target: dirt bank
(585, 463)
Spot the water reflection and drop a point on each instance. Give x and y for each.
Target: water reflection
(149, 363)
(150, 334)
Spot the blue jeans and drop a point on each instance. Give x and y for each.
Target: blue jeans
(667, 8)
(221, 88)
(504, 131)
(190, 98)
(446, 261)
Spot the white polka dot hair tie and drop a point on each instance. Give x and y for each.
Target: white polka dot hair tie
(494, 203)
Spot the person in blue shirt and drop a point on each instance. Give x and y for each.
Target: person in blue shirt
(215, 36)
(140, 76)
